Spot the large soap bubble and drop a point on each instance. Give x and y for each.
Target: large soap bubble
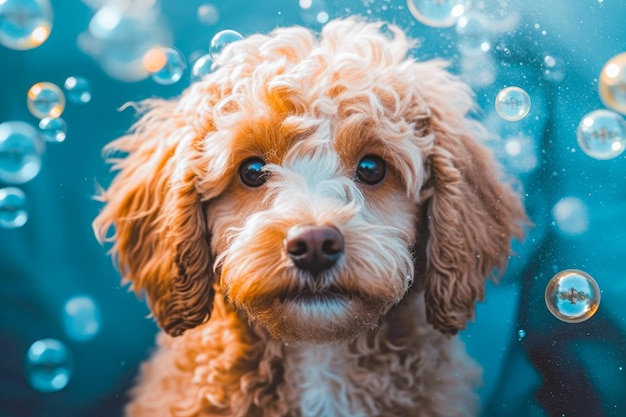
(572, 296)
(601, 134)
(612, 84)
(24, 24)
(21, 148)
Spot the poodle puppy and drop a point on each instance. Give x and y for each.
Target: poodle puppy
(311, 224)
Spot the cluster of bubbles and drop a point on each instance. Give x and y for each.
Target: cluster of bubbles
(22, 145)
(572, 295)
(48, 362)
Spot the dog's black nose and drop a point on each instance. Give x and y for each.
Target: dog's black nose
(314, 248)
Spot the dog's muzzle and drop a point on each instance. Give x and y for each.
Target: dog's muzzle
(314, 248)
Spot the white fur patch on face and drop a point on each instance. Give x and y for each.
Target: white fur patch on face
(315, 185)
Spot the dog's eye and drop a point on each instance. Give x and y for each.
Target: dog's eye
(251, 172)
(371, 170)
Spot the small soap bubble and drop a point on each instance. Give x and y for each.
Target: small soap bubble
(53, 129)
(553, 68)
(601, 134)
(520, 154)
(202, 67)
(512, 103)
(24, 24)
(474, 33)
(48, 365)
(571, 216)
(208, 14)
(77, 90)
(314, 12)
(166, 65)
(612, 84)
(21, 148)
(13, 213)
(81, 318)
(222, 51)
(45, 99)
(438, 13)
(572, 296)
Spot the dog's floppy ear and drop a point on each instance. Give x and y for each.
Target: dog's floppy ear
(160, 237)
(472, 214)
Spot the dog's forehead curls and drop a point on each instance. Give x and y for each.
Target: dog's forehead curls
(308, 186)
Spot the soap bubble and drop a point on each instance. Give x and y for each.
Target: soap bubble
(572, 296)
(612, 85)
(21, 147)
(53, 129)
(13, 212)
(601, 134)
(221, 50)
(78, 90)
(520, 154)
(202, 67)
(512, 103)
(166, 65)
(82, 318)
(120, 34)
(571, 216)
(208, 14)
(553, 68)
(438, 13)
(48, 365)
(45, 100)
(25, 24)
(474, 33)
(314, 12)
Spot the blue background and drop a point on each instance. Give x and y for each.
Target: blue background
(555, 369)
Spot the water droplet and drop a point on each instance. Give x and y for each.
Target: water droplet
(21, 148)
(612, 84)
(571, 216)
(78, 90)
(13, 212)
(572, 296)
(202, 67)
(53, 129)
(45, 100)
(512, 103)
(601, 134)
(166, 65)
(82, 318)
(208, 14)
(25, 24)
(223, 51)
(48, 365)
(437, 13)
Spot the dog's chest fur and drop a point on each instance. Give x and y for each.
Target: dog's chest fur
(319, 376)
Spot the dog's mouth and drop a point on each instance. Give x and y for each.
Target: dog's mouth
(309, 296)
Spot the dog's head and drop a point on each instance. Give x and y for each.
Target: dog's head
(311, 184)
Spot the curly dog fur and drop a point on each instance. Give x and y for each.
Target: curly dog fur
(339, 144)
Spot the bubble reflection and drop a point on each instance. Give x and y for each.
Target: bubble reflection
(572, 296)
